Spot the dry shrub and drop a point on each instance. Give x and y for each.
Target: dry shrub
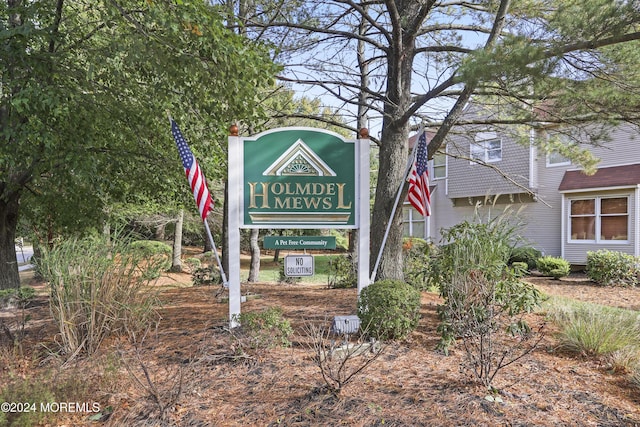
(98, 288)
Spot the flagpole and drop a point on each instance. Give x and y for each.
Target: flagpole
(393, 213)
(225, 283)
(206, 226)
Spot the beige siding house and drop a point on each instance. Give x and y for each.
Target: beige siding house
(566, 213)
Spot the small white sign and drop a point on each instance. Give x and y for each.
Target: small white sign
(298, 265)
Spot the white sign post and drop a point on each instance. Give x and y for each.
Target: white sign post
(303, 178)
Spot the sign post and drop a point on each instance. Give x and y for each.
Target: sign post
(304, 178)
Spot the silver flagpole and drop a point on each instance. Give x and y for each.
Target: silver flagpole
(393, 213)
(225, 283)
(213, 244)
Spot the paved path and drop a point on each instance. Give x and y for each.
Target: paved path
(24, 255)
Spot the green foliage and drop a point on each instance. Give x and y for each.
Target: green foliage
(389, 309)
(555, 267)
(90, 92)
(205, 276)
(193, 263)
(158, 254)
(594, 329)
(526, 254)
(20, 297)
(264, 329)
(484, 301)
(612, 268)
(98, 288)
(34, 389)
(342, 272)
(417, 266)
(520, 269)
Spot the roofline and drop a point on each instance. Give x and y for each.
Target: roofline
(593, 189)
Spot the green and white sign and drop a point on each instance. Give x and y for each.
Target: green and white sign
(299, 242)
(299, 178)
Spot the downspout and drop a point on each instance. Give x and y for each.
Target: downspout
(563, 225)
(636, 215)
(533, 155)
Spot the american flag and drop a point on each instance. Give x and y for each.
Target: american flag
(194, 173)
(419, 196)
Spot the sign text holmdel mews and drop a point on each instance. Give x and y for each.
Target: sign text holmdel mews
(299, 178)
(292, 178)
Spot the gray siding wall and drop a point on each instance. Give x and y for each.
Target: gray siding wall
(467, 179)
(544, 216)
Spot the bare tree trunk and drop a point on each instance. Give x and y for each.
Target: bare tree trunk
(159, 232)
(176, 262)
(9, 276)
(254, 268)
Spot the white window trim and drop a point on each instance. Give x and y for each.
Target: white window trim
(483, 144)
(598, 216)
(446, 167)
(555, 165)
(559, 164)
(412, 220)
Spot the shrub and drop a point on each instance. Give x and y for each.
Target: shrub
(157, 253)
(417, 262)
(606, 268)
(484, 303)
(553, 266)
(389, 309)
(520, 269)
(97, 290)
(526, 254)
(594, 329)
(204, 276)
(342, 273)
(264, 329)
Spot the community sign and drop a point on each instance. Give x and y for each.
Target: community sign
(299, 178)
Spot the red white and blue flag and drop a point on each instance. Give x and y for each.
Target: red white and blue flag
(419, 196)
(194, 173)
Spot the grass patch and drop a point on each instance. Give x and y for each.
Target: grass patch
(593, 329)
(270, 271)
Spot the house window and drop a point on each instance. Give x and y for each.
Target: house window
(599, 219)
(556, 159)
(439, 166)
(413, 223)
(555, 141)
(486, 151)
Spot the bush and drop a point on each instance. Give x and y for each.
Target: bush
(98, 288)
(265, 329)
(389, 309)
(520, 269)
(612, 268)
(594, 329)
(159, 253)
(417, 262)
(206, 276)
(484, 303)
(554, 266)
(526, 254)
(342, 273)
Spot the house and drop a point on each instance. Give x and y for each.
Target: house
(566, 212)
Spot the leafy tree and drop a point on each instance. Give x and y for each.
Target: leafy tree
(564, 61)
(85, 87)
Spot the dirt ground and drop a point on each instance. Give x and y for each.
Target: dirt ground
(192, 368)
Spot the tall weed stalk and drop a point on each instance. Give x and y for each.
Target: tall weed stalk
(96, 291)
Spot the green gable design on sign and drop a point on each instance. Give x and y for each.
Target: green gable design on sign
(299, 178)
